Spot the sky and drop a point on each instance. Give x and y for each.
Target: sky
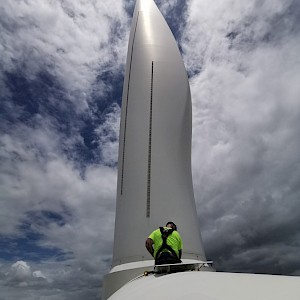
(61, 76)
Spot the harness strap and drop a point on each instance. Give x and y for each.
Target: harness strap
(164, 235)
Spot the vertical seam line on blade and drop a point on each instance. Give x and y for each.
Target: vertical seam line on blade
(149, 147)
(126, 110)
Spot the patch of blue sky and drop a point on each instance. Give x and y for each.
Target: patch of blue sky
(44, 218)
(175, 17)
(43, 96)
(129, 7)
(113, 94)
(28, 246)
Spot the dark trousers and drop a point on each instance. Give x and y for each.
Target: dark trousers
(166, 258)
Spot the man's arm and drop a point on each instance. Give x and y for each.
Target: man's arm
(149, 244)
(179, 245)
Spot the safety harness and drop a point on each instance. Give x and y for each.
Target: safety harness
(164, 235)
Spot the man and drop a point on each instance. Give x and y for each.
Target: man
(167, 245)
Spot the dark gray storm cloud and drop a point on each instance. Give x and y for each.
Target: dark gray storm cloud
(246, 118)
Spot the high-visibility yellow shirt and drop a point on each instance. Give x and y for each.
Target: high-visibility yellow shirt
(174, 241)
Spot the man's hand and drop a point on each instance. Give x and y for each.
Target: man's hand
(149, 246)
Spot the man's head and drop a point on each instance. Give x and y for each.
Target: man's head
(171, 225)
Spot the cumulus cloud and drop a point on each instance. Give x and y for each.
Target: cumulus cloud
(20, 275)
(69, 212)
(36, 176)
(61, 282)
(20, 272)
(58, 145)
(246, 115)
(71, 42)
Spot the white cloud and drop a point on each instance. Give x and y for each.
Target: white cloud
(38, 274)
(166, 6)
(72, 212)
(62, 281)
(246, 118)
(20, 272)
(70, 208)
(33, 182)
(71, 42)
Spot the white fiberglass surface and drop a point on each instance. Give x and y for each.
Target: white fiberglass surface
(211, 285)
